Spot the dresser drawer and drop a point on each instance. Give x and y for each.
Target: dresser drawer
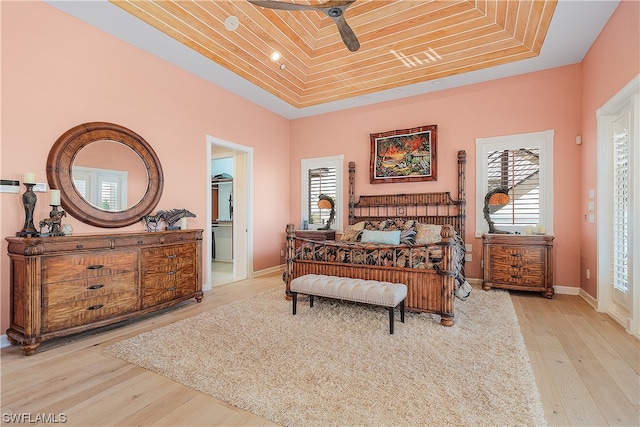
(87, 265)
(165, 259)
(517, 254)
(81, 312)
(66, 292)
(521, 276)
(160, 287)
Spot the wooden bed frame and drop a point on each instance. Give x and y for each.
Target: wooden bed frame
(428, 291)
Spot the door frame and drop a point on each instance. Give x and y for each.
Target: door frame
(606, 115)
(243, 209)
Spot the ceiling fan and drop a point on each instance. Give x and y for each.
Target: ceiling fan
(333, 8)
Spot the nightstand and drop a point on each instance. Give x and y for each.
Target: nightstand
(317, 235)
(518, 262)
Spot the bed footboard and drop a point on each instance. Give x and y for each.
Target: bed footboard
(428, 291)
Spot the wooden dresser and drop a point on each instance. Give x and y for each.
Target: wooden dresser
(518, 262)
(69, 284)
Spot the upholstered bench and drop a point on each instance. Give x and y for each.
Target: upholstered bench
(384, 294)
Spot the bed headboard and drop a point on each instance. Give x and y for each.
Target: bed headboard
(431, 208)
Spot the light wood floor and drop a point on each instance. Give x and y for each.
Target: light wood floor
(587, 369)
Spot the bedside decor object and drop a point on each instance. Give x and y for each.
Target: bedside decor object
(404, 155)
(170, 217)
(495, 199)
(326, 202)
(29, 200)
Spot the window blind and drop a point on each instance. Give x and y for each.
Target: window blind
(109, 193)
(518, 171)
(321, 181)
(620, 223)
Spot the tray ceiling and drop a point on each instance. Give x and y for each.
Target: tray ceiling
(402, 42)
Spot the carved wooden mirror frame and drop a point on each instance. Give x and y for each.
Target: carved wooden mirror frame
(59, 173)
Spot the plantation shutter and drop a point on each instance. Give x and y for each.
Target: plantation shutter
(620, 223)
(109, 193)
(518, 171)
(321, 181)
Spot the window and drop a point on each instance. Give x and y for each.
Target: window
(522, 165)
(321, 175)
(103, 188)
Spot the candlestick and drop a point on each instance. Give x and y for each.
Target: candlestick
(29, 199)
(29, 178)
(55, 197)
(183, 223)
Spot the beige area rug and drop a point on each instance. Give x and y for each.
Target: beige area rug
(336, 363)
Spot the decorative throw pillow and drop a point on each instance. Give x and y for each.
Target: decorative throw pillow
(385, 237)
(358, 225)
(427, 234)
(408, 237)
(351, 234)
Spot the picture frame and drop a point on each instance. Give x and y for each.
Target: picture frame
(404, 155)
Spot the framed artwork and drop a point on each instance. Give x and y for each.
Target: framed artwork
(404, 155)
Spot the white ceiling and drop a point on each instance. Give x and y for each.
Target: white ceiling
(574, 27)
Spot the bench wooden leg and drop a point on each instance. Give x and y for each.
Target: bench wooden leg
(294, 301)
(402, 311)
(310, 300)
(391, 320)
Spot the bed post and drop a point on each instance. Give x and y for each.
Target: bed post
(290, 255)
(448, 279)
(462, 191)
(352, 192)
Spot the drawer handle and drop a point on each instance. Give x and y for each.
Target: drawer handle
(516, 276)
(95, 307)
(94, 287)
(171, 256)
(516, 255)
(516, 265)
(95, 267)
(79, 246)
(171, 273)
(181, 237)
(140, 242)
(171, 289)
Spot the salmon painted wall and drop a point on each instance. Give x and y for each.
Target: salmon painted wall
(611, 63)
(58, 72)
(532, 102)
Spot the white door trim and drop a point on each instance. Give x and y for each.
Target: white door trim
(628, 95)
(244, 232)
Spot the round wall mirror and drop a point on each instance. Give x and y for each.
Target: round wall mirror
(108, 175)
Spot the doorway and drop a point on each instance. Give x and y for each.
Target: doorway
(619, 207)
(229, 222)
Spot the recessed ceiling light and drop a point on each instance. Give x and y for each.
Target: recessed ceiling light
(231, 23)
(363, 97)
(396, 90)
(275, 56)
(436, 82)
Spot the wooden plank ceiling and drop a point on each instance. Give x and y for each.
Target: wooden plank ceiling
(402, 42)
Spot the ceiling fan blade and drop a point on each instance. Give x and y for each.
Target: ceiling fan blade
(332, 8)
(348, 36)
(270, 4)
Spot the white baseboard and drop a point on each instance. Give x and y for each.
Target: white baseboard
(593, 302)
(267, 271)
(4, 342)
(566, 290)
